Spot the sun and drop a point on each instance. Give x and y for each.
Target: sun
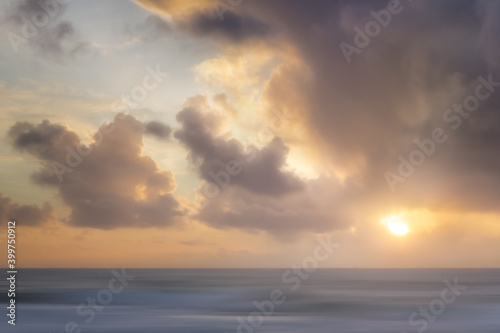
(395, 225)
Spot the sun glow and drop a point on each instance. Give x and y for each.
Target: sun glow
(395, 225)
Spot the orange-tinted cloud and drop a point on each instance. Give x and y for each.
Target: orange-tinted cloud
(107, 184)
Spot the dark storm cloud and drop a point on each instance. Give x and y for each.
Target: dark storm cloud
(39, 25)
(24, 215)
(108, 184)
(158, 129)
(489, 12)
(395, 90)
(234, 28)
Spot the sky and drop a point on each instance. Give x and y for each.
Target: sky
(236, 133)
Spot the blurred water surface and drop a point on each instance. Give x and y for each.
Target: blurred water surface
(212, 300)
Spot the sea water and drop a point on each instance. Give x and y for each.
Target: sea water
(245, 300)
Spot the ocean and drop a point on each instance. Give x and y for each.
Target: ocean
(254, 300)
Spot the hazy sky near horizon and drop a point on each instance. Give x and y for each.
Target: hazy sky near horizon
(170, 133)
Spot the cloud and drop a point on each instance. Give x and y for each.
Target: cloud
(107, 184)
(234, 28)
(203, 20)
(258, 192)
(45, 141)
(489, 13)
(264, 169)
(39, 26)
(321, 207)
(222, 102)
(361, 116)
(24, 215)
(158, 129)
